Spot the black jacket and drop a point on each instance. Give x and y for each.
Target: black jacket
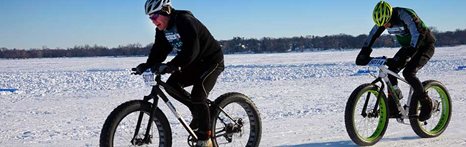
(190, 39)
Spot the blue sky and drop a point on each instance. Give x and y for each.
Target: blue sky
(66, 23)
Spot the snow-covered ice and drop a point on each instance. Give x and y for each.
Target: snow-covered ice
(301, 97)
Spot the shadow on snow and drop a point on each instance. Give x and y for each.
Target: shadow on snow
(348, 142)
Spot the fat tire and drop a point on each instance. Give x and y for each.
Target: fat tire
(234, 97)
(119, 113)
(443, 121)
(349, 118)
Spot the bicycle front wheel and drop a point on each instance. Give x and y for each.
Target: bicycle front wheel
(121, 127)
(441, 114)
(235, 121)
(366, 115)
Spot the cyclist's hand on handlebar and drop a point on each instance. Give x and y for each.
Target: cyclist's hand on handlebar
(364, 56)
(165, 68)
(363, 60)
(140, 69)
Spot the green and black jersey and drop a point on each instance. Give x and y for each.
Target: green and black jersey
(409, 29)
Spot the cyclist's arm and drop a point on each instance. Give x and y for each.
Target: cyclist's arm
(191, 46)
(411, 22)
(160, 49)
(373, 35)
(364, 55)
(413, 25)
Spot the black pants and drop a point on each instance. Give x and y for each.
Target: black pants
(203, 78)
(411, 68)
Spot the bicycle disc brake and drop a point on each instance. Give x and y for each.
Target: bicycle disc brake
(232, 128)
(140, 141)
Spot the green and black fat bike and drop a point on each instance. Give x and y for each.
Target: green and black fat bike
(234, 117)
(367, 109)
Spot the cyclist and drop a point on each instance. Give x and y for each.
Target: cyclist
(417, 47)
(198, 61)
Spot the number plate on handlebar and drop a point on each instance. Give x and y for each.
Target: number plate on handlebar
(377, 62)
(149, 78)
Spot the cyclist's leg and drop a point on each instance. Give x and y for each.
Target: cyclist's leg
(400, 54)
(201, 89)
(394, 81)
(178, 81)
(414, 65)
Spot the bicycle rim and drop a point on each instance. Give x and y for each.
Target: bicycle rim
(369, 129)
(227, 133)
(125, 131)
(440, 117)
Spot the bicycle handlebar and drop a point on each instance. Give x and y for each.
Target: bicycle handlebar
(154, 70)
(151, 77)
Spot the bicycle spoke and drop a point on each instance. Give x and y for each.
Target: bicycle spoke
(129, 125)
(441, 114)
(235, 126)
(125, 130)
(436, 114)
(366, 125)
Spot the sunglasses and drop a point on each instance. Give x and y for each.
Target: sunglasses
(154, 16)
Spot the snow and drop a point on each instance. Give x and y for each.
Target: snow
(301, 97)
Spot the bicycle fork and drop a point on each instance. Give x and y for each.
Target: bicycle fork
(147, 137)
(379, 96)
(155, 93)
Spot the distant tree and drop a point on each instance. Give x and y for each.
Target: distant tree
(238, 45)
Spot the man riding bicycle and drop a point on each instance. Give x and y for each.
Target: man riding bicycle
(417, 47)
(198, 62)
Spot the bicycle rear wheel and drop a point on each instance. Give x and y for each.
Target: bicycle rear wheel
(441, 115)
(235, 121)
(366, 118)
(120, 127)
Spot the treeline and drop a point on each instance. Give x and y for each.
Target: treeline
(308, 43)
(238, 45)
(77, 51)
(337, 42)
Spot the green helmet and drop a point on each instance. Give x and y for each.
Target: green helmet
(382, 13)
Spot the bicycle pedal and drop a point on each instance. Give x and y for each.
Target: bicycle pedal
(401, 121)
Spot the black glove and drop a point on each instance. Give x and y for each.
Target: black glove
(364, 56)
(165, 68)
(141, 68)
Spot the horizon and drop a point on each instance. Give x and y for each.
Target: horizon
(245, 38)
(111, 23)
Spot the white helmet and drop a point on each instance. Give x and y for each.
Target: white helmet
(156, 5)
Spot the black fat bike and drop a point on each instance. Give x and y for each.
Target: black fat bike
(234, 117)
(367, 109)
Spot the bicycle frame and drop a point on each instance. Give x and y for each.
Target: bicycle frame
(156, 93)
(382, 77)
